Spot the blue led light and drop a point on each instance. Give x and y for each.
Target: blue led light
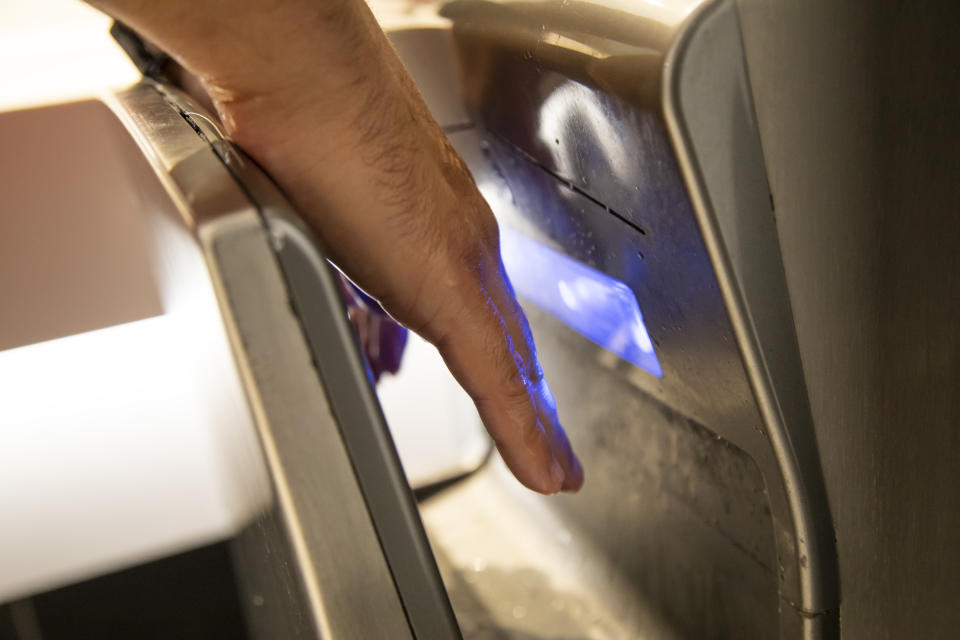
(593, 304)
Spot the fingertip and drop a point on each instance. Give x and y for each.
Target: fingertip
(548, 481)
(574, 479)
(526, 451)
(557, 476)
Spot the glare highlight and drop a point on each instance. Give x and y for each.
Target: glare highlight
(595, 305)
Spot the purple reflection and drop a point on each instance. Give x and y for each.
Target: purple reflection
(598, 307)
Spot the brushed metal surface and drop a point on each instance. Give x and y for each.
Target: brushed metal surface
(578, 146)
(680, 513)
(711, 118)
(856, 104)
(315, 297)
(326, 575)
(348, 588)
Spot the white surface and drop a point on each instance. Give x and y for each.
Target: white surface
(55, 51)
(132, 441)
(129, 442)
(117, 446)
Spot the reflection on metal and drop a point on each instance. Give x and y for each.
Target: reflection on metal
(623, 134)
(572, 114)
(598, 307)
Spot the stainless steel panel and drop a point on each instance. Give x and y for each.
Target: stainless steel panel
(712, 120)
(856, 104)
(313, 561)
(349, 590)
(584, 143)
(315, 296)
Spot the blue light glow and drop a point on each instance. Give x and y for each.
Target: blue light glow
(598, 307)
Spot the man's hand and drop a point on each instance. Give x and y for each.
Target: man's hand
(315, 93)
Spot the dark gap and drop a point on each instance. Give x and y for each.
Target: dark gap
(426, 492)
(569, 184)
(189, 596)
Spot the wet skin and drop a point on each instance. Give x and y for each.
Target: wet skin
(315, 93)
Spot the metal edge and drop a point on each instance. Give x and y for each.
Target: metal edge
(156, 127)
(184, 150)
(818, 592)
(317, 302)
(209, 237)
(311, 281)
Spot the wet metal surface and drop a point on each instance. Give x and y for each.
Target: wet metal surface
(584, 142)
(669, 537)
(514, 569)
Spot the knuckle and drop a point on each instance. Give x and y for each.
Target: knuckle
(514, 392)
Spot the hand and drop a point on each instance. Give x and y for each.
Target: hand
(315, 93)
